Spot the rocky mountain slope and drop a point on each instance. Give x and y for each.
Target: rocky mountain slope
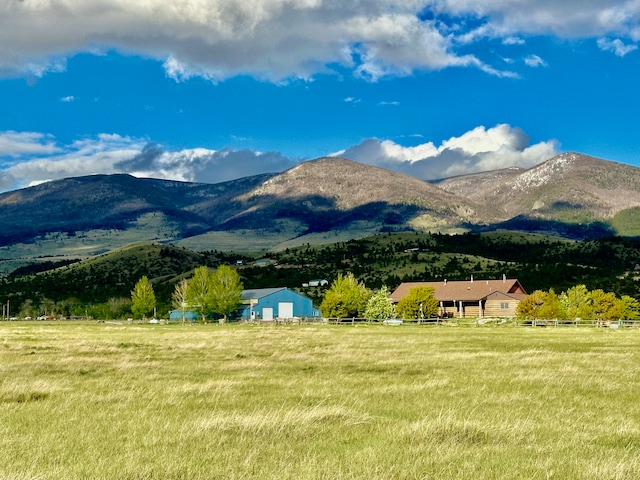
(323, 195)
(567, 194)
(568, 187)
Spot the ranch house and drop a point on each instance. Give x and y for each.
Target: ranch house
(471, 298)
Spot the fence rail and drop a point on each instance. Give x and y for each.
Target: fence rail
(477, 322)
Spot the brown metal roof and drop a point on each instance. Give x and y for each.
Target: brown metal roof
(467, 290)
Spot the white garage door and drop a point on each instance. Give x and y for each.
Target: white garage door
(285, 310)
(267, 313)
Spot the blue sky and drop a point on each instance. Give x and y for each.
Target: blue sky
(211, 90)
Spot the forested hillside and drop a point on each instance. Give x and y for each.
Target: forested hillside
(104, 283)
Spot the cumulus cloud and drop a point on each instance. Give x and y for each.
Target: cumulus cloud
(18, 144)
(616, 46)
(32, 158)
(477, 150)
(203, 165)
(281, 39)
(82, 157)
(216, 39)
(571, 18)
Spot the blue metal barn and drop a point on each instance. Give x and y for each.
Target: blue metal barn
(190, 316)
(273, 303)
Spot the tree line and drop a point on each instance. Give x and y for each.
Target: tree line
(207, 293)
(578, 303)
(101, 287)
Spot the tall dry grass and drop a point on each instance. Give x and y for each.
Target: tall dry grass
(103, 401)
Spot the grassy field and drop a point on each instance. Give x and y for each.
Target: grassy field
(102, 401)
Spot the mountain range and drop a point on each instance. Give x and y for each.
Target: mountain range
(317, 201)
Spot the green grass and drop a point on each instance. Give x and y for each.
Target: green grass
(105, 401)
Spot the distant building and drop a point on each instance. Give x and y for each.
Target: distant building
(319, 282)
(471, 298)
(274, 303)
(189, 315)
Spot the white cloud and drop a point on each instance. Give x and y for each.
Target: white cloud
(32, 158)
(477, 150)
(68, 99)
(281, 39)
(203, 165)
(511, 40)
(217, 39)
(534, 61)
(566, 19)
(18, 144)
(616, 46)
(82, 157)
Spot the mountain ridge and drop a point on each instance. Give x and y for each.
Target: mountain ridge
(313, 202)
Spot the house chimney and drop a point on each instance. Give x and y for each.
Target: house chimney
(504, 278)
(471, 278)
(445, 281)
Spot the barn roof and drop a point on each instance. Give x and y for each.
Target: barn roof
(467, 290)
(258, 293)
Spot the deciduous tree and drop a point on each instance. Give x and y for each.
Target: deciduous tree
(552, 307)
(199, 292)
(380, 306)
(603, 305)
(346, 297)
(225, 291)
(576, 302)
(530, 307)
(143, 299)
(179, 299)
(629, 308)
(419, 303)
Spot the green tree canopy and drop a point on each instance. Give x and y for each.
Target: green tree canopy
(530, 307)
(603, 305)
(380, 306)
(199, 292)
(419, 303)
(552, 307)
(576, 302)
(225, 291)
(143, 299)
(629, 308)
(346, 297)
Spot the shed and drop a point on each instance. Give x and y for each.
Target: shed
(189, 315)
(272, 303)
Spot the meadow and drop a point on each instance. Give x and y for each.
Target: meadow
(242, 401)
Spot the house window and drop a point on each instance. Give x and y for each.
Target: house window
(504, 305)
